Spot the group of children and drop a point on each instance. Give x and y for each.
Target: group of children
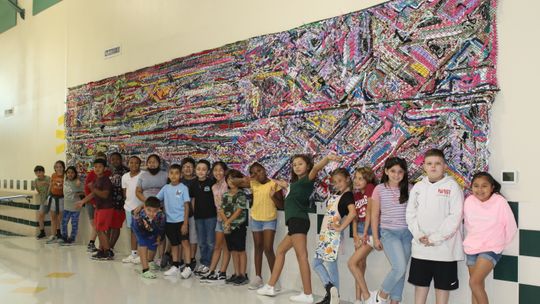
(195, 205)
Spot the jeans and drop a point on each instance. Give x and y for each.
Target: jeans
(397, 247)
(327, 271)
(206, 237)
(74, 217)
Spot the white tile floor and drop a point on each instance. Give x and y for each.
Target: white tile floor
(27, 264)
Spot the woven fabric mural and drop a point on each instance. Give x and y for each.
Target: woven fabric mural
(395, 79)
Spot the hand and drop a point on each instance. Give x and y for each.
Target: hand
(137, 210)
(365, 238)
(332, 156)
(146, 225)
(377, 244)
(336, 226)
(425, 240)
(184, 229)
(79, 204)
(357, 241)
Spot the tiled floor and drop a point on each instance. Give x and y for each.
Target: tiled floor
(32, 272)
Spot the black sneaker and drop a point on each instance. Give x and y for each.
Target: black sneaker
(98, 255)
(166, 260)
(241, 280)
(204, 279)
(217, 279)
(41, 235)
(91, 247)
(231, 279)
(326, 299)
(111, 253)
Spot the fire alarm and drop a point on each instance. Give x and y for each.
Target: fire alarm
(509, 177)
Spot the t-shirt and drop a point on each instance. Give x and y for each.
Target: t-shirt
(343, 206)
(151, 184)
(104, 183)
(201, 191)
(174, 198)
(118, 193)
(71, 194)
(231, 203)
(297, 201)
(130, 184)
(156, 226)
(57, 184)
(392, 212)
(90, 178)
(361, 201)
(189, 183)
(264, 208)
(42, 187)
(219, 189)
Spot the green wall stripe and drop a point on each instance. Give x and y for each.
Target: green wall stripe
(22, 221)
(529, 243)
(40, 5)
(9, 233)
(506, 269)
(8, 16)
(515, 209)
(19, 205)
(529, 294)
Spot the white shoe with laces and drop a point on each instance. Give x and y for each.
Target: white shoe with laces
(129, 259)
(266, 290)
(374, 298)
(186, 273)
(173, 271)
(302, 298)
(256, 283)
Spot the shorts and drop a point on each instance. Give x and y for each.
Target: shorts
(174, 233)
(297, 225)
(444, 274)
(55, 204)
(192, 231)
(257, 226)
(103, 219)
(44, 207)
(488, 255)
(119, 216)
(129, 217)
(219, 226)
(236, 240)
(91, 210)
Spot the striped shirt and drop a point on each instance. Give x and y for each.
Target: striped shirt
(392, 212)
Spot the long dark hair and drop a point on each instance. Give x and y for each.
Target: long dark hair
(74, 170)
(404, 183)
(309, 161)
(495, 184)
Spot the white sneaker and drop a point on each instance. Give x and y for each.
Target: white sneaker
(136, 260)
(334, 295)
(129, 259)
(52, 240)
(358, 302)
(375, 299)
(186, 273)
(302, 298)
(266, 290)
(256, 283)
(173, 271)
(203, 271)
(277, 287)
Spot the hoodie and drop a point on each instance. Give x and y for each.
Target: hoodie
(435, 210)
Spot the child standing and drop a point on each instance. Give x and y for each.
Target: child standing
(42, 183)
(129, 185)
(204, 211)
(219, 170)
(117, 171)
(148, 225)
(490, 227)
(233, 213)
(390, 203)
(434, 214)
(267, 197)
(297, 220)
(189, 179)
(73, 189)
(56, 200)
(363, 185)
(340, 212)
(102, 191)
(175, 196)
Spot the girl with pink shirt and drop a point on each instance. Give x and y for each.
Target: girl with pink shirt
(490, 226)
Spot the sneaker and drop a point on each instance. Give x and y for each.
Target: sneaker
(61, 241)
(166, 260)
(302, 298)
(204, 279)
(91, 247)
(203, 270)
(326, 299)
(240, 280)
(149, 275)
(153, 266)
(359, 302)
(53, 239)
(256, 283)
(41, 235)
(186, 273)
(217, 278)
(231, 279)
(182, 266)
(334, 295)
(98, 255)
(267, 290)
(277, 287)
(66, 243)
(375, 299)
(129, 259)
(111, 252)
(173, 271)
(136, 260)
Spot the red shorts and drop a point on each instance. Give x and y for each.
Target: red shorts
(119, 217)
(103, 219)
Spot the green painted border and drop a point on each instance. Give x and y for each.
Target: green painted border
(529, 243)
(40, 5)
(22, 221)
(8, 18)
(506, 269)
(515, 210)
(19, 205)
(528, 294)
(9, 233)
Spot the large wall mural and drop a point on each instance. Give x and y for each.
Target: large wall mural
(394, 79)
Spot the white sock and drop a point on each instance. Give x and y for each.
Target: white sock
(134, 253)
